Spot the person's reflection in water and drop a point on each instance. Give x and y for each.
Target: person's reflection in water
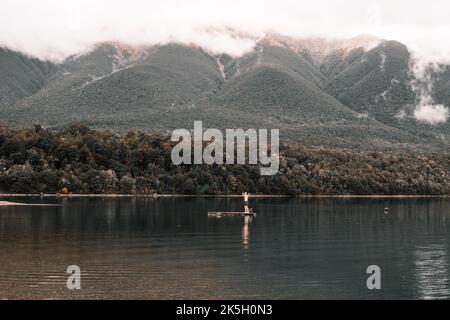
(245, 231)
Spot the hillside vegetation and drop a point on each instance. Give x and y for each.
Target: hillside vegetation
(21, 76)
(347, 96)
(82, 160)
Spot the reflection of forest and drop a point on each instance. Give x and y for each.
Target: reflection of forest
(135, 247)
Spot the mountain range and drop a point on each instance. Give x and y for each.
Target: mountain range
(355, 93)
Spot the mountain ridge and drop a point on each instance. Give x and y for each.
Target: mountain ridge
(317, 96)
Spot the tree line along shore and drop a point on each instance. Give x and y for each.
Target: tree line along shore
(81, 160)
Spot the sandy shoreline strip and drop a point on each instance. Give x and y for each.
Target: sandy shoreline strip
(7, 203)
(63, 196)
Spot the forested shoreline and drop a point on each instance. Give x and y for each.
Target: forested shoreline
(81, 160)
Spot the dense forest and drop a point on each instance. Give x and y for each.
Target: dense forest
(82, 160)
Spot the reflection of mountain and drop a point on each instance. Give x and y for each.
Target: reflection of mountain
(140, 248)
(431, 271)
(342, 93)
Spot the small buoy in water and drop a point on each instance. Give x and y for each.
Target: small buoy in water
(386, 210)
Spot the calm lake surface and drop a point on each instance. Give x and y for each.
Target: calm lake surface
(169, 249)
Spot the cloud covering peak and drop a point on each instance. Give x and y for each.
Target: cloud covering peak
(54, 29)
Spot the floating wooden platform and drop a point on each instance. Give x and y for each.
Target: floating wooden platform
(229, 214)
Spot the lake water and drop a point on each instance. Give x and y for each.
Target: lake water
(169, 249)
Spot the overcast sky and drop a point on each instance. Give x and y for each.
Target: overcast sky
(56, 28)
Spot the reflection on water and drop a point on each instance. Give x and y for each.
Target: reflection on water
(245, 231)
(431, 270)
(168, 248)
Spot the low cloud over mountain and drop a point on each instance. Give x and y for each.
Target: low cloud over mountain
(52, 29)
